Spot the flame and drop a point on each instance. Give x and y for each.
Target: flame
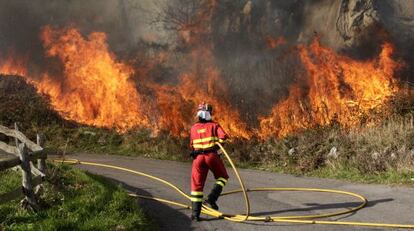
(178, 102)
(12, 65)
(212, 90)
(272, 43)
(337, 88)
(95, 88)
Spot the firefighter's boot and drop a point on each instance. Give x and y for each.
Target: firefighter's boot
(214, 195)
(195, 215)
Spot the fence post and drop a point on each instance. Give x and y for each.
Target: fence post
(29, 201)
(15, 138)
(41, 163)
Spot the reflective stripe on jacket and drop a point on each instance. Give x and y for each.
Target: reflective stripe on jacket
(205, 135)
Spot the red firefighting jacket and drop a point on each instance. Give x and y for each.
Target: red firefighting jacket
(204, 135)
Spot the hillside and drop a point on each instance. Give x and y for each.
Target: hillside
(382, 153)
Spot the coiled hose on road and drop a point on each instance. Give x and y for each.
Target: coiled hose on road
(305, 219)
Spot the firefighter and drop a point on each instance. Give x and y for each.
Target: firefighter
(204, 134)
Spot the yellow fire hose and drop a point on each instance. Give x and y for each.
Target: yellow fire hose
(305, 219)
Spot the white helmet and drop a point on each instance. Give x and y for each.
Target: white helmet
(204, 111)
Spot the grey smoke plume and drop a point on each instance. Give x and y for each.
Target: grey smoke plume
(124, 21)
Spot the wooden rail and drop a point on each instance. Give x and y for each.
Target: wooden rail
(25, 154)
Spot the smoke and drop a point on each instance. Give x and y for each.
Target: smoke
(125, 22)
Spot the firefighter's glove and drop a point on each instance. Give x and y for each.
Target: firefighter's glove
(193, 154)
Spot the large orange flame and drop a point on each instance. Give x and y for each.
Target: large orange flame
(95, 89)
(334, 88)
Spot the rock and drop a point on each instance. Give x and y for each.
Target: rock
(89, 133)
(393, 156)
(291, 151)
(102, 140)
(333, 153)
(247, 9)
(355, 18)
(375, 155)
(120, 228)
(411, 153)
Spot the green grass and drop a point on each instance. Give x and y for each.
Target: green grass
(9, 180)
(74, 200)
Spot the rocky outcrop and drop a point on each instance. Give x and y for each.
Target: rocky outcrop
(355, 19)
(341, 23)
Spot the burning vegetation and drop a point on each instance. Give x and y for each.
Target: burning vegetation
(97, 90)
(88, 84)
(334, 88)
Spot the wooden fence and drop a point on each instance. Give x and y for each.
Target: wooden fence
(26, 154)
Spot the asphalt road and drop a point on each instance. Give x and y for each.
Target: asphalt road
(387, 204)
